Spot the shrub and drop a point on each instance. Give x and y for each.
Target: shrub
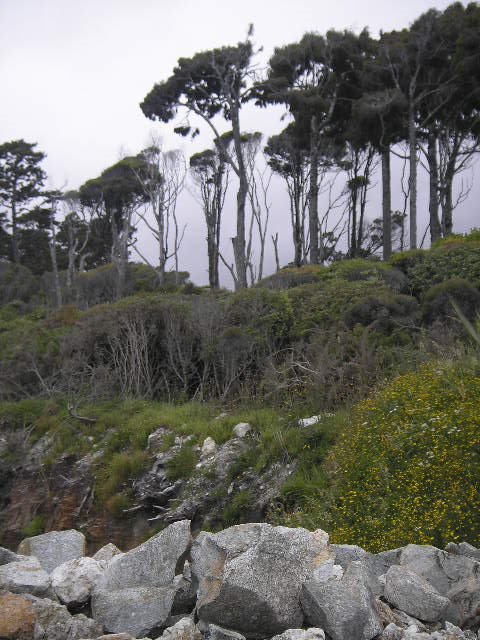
(406, 469)
(385, 313)
(453, 257)
(437, 303)
(182, 465)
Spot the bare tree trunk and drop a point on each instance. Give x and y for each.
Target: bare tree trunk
(53, 256)
(412, 140)
(435, 229)
(313, 201)
(275, 247)
(15, 247)
(386, 204)
(239, 244)
(447, 208)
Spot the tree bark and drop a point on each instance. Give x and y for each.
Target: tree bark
(435, 229)
(313, 200)
(412, 141)
(447, 204)
(386, 204)
(238, 242)
(53, 256)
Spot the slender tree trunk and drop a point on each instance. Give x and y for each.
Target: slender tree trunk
(53, 257)
(239, 244)
(386, 203)
(275, 247)
(313, 200)
(412, 141)
(297, 226)
(435, 229)
(447, 204)
(15, 247)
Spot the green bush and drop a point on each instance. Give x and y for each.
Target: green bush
(406, 468)
(384, 313)
(437, 303)
(453, 257)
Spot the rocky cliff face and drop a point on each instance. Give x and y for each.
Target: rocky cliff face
(250, 581)
(63, 493)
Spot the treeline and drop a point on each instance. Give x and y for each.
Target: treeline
(354, 102)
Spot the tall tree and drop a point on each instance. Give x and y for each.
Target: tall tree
(213, 82)
(317, 78)
(210, 175)
(21, 183)
(289, 159)
(161, 176)
(115, 196)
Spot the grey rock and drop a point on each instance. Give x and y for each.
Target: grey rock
(347, 553)
(242, 429)
(184, 629)
(185, 592)
(214, 632)
(7, 556)
(136, 591)
(411, 593)
(209, 449)
(301, 634)
(107, 552)
(345, 608)
(25, 576)
(74, 581)
(249, 576)
(135, 610)
(54, 548)
(463, 549)
(456, 577)
(391, 632)
(54, 622)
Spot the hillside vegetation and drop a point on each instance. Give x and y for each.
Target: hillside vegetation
(375, 350)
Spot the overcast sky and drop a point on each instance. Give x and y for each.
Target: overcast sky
(73, 73)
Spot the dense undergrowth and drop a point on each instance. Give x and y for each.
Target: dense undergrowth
(376, 348)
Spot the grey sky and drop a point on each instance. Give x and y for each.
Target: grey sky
(74, 71)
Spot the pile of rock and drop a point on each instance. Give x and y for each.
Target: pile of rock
(250, 581)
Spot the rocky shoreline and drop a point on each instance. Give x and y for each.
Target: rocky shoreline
(250, 581)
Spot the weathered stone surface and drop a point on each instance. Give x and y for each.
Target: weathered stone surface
(411, 593)
(17, 619)
(184, 629)
(7, 556)
(209, 449)
(456, 577)
(347, 553)
(54, 548)
(107, 552)
(391, 632)
(73, 581)
(249, 576)
(214, 632)
(135, 610)
(25, 576)
(463, 549)
(136, 591)
(344, 608)
(27, 617)
(185, 592)
(242, 429)
(301, 634)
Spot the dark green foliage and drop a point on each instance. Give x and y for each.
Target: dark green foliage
(437, 302)
(454, 257)
(384, 313)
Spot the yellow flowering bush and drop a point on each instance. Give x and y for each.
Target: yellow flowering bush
(407, 469)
